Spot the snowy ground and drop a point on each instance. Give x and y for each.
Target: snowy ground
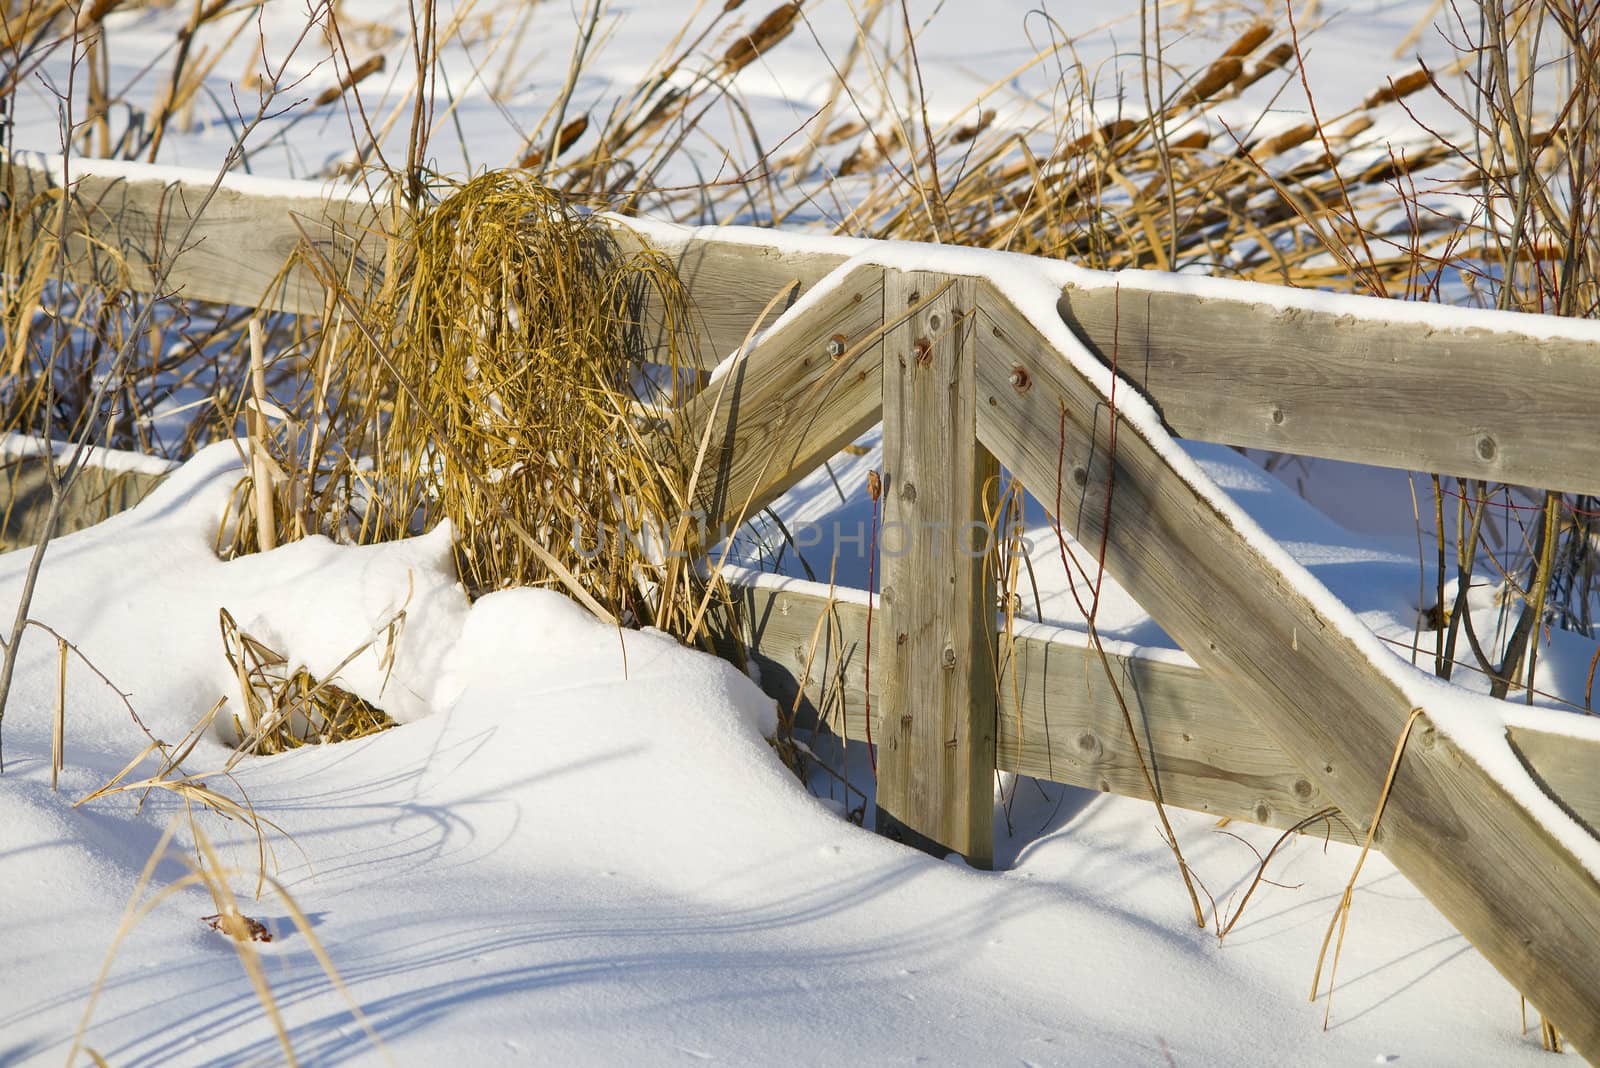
(559, 857)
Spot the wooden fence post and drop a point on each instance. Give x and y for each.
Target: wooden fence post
(937, 633)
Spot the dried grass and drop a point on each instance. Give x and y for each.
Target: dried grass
(502, 383)
(1175, 189)
(284, 706)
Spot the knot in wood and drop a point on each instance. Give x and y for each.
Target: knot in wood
(947, 659)
(924, 351)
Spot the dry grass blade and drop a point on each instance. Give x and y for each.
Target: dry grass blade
(207, 871)
(283, 708)
(1341, 915)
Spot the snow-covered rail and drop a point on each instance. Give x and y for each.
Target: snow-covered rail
(1480, 394)
(976, 362)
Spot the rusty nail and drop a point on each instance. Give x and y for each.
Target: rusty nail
(836, 345)
(924, 350)
(1020, 381)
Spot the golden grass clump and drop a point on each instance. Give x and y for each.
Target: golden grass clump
(497, 378)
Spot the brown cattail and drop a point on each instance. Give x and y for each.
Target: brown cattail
(874, 486)
(91, 14)
(1191, 142)
(966, 133)
(1397, 88)
(1276, 59)
(1397, 166)
(1355, 127)
(369, 66)
(564, 140)
(1293, 138)
(1109, 134)
(772, 29)
(1249, 41)
(845, 130)
(1217, 77)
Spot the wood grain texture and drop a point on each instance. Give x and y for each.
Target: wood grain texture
(788, 405)
(96, 495)
(1487, 864)
(1567, 768)
(731, 282)
(246, 238)
(1476, 403)
(1055, 721)
(234, 256)
(936, 752)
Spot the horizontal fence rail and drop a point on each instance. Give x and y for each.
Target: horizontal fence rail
(1493, 395)
(1057, 722)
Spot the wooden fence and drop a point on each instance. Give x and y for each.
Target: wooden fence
(1285, 708)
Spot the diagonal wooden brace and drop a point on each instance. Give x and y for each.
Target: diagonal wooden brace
(1488, 864)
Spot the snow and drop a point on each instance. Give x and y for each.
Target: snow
(582, 849)
(1443, 318)
(116, 461)
(253, 185)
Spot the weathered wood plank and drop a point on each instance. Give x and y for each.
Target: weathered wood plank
(730, 281)
(936, 753)
(1480, 403)
(1568, 768)
(243, 242)
(1055, 720)
(248, 235)
(789, 404)
(97, 494)
(1490, 866)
